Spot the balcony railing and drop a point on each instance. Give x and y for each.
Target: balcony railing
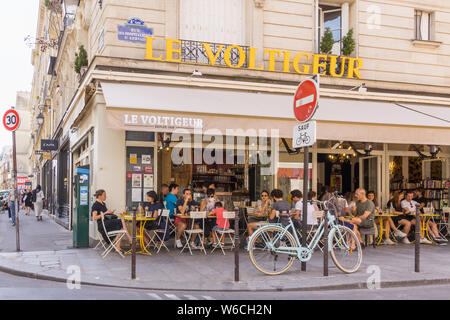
(194, 52)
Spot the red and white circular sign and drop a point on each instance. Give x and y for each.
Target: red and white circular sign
(11, 120)
(305, 100)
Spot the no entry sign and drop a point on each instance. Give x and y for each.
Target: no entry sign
(11, 120)
(305, 100)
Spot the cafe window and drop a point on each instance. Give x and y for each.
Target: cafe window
(423, 25)
(215, 21)
(331, 17)
(139, 174)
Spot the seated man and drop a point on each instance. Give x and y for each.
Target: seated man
(409, 208)
(364, 211)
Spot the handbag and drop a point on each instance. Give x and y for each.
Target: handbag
(110, 216)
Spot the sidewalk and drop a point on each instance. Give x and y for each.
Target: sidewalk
(46, 258)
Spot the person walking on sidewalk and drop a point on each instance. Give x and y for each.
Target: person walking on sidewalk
(38, 199)
(11, 204)
(27, 199)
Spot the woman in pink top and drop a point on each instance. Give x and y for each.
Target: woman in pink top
(221, 223)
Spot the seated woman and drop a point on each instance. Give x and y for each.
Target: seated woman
(111, 222)
(393, 203)
(262, 208)
(152, 206)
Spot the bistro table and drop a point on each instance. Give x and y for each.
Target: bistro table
(382, 229)
(143, 219)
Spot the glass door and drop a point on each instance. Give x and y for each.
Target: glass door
(370, 176)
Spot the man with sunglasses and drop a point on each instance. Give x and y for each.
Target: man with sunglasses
(409, 208)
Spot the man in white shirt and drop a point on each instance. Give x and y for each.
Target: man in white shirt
(296, 196)
(409, 207)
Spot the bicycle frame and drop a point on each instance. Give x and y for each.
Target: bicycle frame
(298, 250)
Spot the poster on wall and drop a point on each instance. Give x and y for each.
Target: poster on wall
(136, 194)
(133, 158)
(336, 182)
(148, 169)
(84, 195)
(148, 181)
(136, 181)
(146, 159)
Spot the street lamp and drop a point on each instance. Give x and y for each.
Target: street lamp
(40, 118)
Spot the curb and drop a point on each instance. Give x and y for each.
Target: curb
(350, 286)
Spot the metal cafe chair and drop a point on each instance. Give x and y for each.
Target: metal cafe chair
(189, 233)
(114, 237)
(100, 239)
(156, 239)
(230, 232)
(443, 224)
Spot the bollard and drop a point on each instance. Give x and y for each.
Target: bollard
(133, 247)
(236, 244)
(417, 244)
(325, 246)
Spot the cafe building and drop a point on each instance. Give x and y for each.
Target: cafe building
(153, 108)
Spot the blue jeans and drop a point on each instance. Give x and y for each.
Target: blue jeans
(13, 211)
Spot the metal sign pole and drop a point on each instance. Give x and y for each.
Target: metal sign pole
(133, 247)
(305, 198)
(16, 196)
(236, 244)
(325, 244)
(417, 244)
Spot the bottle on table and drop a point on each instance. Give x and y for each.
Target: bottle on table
(391, 209)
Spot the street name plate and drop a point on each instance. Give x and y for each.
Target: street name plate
(304, 134)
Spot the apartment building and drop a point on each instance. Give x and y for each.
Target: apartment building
(160, 72)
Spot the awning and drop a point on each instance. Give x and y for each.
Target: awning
(338, 119)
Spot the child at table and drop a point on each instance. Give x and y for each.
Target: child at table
(221, 223)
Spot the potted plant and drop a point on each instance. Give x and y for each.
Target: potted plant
(81, 61)
(326, 45)
(348, 46)
(53, 5)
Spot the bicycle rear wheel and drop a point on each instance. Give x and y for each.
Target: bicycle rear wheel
(345, 249)
(267, 260)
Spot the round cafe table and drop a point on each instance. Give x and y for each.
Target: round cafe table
(140, 234)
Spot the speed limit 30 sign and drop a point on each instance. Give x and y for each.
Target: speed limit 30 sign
(11, 120)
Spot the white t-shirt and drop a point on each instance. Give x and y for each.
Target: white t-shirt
(410, 205)
(309, 218)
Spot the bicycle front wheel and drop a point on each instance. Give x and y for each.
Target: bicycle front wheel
(345, 249)
(263, 253)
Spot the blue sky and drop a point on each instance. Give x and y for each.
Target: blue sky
(17, 20)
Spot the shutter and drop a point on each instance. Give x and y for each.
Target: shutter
(424, 26)
(212, 21)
